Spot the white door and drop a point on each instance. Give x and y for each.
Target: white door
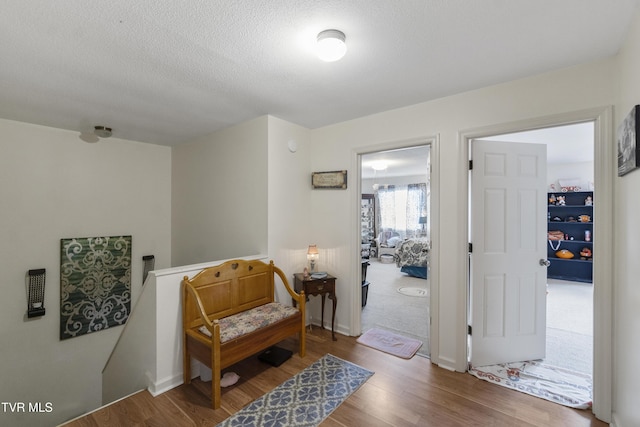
(508, 233)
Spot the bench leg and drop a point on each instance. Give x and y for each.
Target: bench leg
(186, 362)
(215, 377)
(215, 389)
(303, 340)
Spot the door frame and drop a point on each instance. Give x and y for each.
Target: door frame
(604, 173)
(434, 275)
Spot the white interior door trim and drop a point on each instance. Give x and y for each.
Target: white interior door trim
(604, 175)
(434, 270)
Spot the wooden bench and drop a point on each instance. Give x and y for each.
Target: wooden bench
(229, 313)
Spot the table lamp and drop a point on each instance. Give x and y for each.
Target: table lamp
(312, 257)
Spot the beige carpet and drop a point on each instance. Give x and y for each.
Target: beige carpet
(569, 314)
(387, 308)
(570, 325)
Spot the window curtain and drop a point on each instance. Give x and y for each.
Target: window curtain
(416, 208)
(399, 208)
(385, 208)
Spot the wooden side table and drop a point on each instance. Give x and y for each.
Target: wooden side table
(324, 286)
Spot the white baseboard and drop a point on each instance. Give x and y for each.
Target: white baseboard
(614, 420)
(158, 387)
(447, 363)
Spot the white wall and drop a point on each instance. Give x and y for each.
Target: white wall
(626, 332)
(132, 364)
(333, 147)
(219, 196)
(583, 172)
(289, 180)
(52, 186)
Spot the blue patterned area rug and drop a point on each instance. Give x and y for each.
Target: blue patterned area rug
(306, 398)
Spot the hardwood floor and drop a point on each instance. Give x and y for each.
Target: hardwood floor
(401, 393)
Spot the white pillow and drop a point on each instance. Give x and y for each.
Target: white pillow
(393, 241)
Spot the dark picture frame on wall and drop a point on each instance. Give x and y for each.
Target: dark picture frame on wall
(628, 147)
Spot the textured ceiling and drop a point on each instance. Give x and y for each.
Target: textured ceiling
(166, 72)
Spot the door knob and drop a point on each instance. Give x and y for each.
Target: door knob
(545, 262)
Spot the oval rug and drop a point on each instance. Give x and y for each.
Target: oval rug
(414, 292)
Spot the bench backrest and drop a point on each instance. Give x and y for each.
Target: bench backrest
(227, 289)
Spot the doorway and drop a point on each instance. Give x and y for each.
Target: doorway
(395, 187)
(569, 292)
(430, 167)
(604, 171)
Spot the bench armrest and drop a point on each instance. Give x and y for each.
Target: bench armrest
(211, 325)
(298, 297)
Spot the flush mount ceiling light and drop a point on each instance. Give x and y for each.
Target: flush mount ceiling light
(102, 131)
(379, 165)
(331, 45)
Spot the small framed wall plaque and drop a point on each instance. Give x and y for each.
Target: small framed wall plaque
(331, 179)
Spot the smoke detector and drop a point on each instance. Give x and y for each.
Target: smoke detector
(102, 131)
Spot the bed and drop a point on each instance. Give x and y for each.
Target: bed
(412, 257)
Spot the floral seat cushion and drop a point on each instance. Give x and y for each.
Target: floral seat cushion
(251, 320)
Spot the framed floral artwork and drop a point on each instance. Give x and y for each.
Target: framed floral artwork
(95, 284)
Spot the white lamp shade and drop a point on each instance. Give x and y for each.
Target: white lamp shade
(312, 256)
(331, 45)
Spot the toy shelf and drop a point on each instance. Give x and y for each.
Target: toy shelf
(578, 231)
